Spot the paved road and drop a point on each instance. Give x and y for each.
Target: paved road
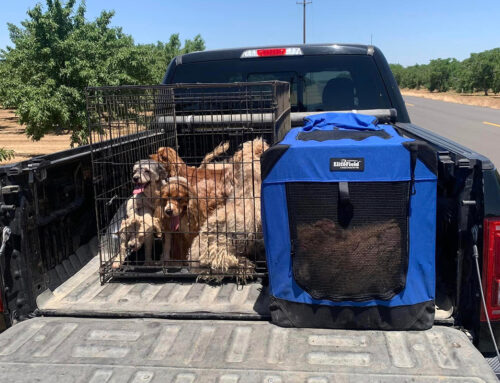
(475, 127)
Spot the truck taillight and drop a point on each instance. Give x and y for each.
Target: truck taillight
(271, 52)
(491, 267)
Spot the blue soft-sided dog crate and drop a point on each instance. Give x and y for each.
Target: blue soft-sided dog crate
(349, 219)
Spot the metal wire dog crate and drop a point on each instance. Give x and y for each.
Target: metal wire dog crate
(177, 176)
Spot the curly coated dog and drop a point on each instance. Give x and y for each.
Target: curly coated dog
(233, 230)
(138, 226)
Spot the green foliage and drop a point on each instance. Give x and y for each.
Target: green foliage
(160, 54)
(397, 71)
(6, 154)
(480, 72)
(440, 74)
(57, 53)
(415, 76)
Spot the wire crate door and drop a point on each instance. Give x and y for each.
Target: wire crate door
(177, 176)
(127, 125)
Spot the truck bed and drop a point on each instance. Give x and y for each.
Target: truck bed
(83, 295)
(210, 351)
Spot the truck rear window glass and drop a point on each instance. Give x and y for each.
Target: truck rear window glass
(318, 83)
(291, 77)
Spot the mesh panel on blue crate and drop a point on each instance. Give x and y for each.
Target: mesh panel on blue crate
(349, 211)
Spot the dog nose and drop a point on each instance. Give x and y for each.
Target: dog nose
(168, 211)
(135, 178)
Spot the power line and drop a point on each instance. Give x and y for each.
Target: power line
(304, 3)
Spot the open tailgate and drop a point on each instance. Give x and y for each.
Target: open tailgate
(184, 351)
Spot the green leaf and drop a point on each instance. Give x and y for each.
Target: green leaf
(57, 53)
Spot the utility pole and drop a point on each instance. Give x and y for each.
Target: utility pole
(304, 3)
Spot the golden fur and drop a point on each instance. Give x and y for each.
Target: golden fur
(180, 213)
(231, 231)
(177, 167)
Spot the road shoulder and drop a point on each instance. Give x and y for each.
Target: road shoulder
(492, 101)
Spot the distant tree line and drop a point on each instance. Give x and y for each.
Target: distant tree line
(57, 53)
(478, 73)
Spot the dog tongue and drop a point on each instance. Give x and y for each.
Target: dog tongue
(138, 189)
(175, 223)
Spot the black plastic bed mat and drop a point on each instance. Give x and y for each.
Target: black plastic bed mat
(83, 295)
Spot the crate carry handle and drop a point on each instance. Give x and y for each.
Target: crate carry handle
(330, 121)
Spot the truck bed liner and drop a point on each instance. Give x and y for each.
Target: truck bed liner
(188, 351)
(83, 295)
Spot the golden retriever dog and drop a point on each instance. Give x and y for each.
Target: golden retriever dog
(208, 181)
(233, 230)
(138, 226)
(177, 167)
(180, 213)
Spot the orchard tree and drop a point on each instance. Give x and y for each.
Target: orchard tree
(493, 57)
(441, 73)
(397, 71)
(414, 76)
(495, 87)
(56, 53)
(481, 72)
(162, 53)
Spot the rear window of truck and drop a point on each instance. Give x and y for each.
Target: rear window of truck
(317, 83)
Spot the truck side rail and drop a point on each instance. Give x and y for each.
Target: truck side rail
(297, 118)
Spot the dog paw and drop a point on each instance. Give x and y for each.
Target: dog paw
(207, 277)
(135, 243)
(116, 263)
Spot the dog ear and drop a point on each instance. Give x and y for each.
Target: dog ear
(162, 172)
(162, 154)
(154, 157)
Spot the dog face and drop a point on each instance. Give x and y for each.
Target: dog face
(146, 172)
(175, 197)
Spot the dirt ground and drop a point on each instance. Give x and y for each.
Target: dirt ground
(477, 99)
(12, 136)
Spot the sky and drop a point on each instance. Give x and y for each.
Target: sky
(408, 32)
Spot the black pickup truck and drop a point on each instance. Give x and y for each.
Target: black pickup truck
(63, 325)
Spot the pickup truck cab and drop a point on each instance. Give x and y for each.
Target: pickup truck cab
(69, 327)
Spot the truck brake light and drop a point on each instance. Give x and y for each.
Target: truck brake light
(271, 52)
(491, 267)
